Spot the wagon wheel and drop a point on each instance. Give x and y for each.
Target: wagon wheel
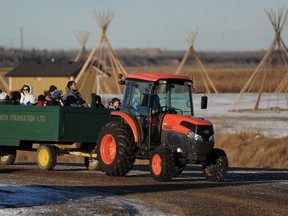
(46, 157)
(7, 157)
(91, 163)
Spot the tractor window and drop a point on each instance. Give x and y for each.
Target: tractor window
(175, 97)
(133, 96)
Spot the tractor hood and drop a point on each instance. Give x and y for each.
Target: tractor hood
(185, 124)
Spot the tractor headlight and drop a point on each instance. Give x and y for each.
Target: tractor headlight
(194, 136)
(211, 138)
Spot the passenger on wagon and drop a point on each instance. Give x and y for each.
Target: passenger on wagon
(115, 104)
(54, 97)
(98, 102)
(27, 97)
(3, 97)
(73, 97)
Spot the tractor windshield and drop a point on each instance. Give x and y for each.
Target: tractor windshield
(175, 97)
(164, 96)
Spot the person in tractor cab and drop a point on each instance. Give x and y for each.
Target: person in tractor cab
(156, 105)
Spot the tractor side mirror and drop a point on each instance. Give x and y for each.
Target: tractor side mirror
(204, 102)
(143, 99)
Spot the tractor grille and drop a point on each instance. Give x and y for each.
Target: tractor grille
(206, 131)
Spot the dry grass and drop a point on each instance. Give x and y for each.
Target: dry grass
(243, 150)
(251, 150)
(226, 80)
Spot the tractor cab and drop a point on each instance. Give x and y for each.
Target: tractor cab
(149, 97)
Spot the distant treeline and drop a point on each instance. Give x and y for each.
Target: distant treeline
(135, 57)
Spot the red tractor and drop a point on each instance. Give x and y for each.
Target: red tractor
(157, 122)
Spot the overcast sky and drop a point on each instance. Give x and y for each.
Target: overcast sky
(223, 25)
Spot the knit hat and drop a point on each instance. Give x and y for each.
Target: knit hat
(56, 95)
(52, 88)
(98, 98)
(41, 98)
(115, 99)
(16, 95)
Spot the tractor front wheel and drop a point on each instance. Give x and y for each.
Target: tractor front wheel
(217, 168)
(46, 157)
(162, 164)
(7, 157)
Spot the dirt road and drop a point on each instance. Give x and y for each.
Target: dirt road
(72, 190)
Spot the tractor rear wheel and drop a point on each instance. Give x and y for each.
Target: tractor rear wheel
(7, 157)
(116, 149)
(162, 164)
(217, 169)
(46, 157)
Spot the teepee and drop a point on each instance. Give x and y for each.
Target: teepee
(83, 53)
(274, 63)
(191, 53)
(4, 84)
(101, 63)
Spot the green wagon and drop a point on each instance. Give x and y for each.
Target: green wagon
(45, 129)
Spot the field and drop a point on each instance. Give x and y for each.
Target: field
(256, 184)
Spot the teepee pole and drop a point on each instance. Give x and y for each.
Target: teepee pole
(203, 72)
(4, 83)
(89, 59)
(206, 75)
(83, 40)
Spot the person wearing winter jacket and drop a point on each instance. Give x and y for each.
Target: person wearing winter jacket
(14, 99)
(27, 97)
(73, 97)
(53, 97)
(3, 97)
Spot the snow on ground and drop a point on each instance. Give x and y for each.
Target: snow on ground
(39, 199)
(221, 104)
(50, 200)
(271, 123)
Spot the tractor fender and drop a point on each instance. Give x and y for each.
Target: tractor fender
(129, 121)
